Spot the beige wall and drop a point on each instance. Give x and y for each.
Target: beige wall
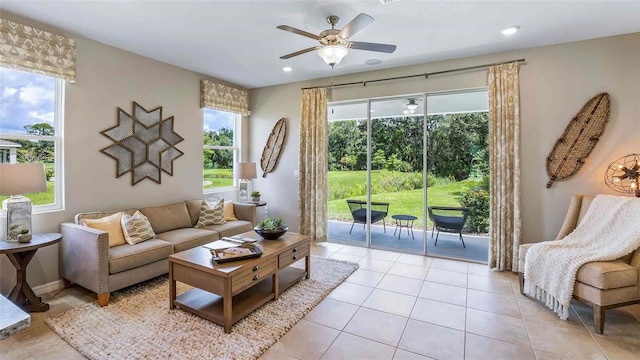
(554, 84)
(108, 78)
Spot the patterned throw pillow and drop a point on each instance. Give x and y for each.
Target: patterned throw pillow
(211, 213)
(136, 228)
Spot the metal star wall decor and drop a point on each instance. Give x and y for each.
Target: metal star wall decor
(144, 144)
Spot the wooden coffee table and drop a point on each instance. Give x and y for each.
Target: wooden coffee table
(225, 293)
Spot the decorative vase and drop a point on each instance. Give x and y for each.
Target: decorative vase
(24, 238)
(255, 199)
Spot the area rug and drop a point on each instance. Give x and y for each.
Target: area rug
(137, 323)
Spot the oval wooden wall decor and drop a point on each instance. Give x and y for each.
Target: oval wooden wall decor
(273, 148)
(579, 138)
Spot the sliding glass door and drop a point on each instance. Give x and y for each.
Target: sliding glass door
(399, 180)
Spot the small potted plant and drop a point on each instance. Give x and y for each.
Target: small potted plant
(271, 229)
(255, 196)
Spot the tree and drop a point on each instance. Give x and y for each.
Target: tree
(379, 160)
(42, 129)
(218, 158)
(393, 163)
(349, 161)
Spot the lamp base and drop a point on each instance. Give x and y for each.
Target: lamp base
(243, 193)
(18, 222)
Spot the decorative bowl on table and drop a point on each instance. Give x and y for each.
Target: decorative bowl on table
(271, 234)
(271, 229)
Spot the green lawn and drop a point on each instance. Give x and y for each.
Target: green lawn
(42, 198)
(402, 202)
(215, 178)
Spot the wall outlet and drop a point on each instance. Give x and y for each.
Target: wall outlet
(296, 173)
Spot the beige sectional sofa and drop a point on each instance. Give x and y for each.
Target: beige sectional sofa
(87, 260)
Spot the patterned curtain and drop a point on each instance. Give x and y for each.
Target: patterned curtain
(224, 98)
(29, 49)
(312, 183)
(504, 160)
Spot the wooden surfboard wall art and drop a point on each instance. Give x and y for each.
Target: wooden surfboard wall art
(578, 140)
(273, 148)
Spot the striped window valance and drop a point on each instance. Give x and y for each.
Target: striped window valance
(224, 98)
(29, 49)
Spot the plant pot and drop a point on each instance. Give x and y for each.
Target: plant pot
(271, 234)
(24, 238)
(255, 199)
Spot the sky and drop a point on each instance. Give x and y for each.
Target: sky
(25, 99)
(216, 120)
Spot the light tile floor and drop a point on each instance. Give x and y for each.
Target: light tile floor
(400, 306)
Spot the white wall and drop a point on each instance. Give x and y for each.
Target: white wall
(554, 84)
(108, 78)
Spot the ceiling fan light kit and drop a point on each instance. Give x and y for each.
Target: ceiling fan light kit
(334, 43)
(333, 54)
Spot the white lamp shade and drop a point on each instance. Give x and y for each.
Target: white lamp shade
(23, 178)
(333, 54)
(247, 170)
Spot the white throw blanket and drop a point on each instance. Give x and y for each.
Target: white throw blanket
(609, 230)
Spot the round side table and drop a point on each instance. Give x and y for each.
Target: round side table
(404, 221)
(20, 254)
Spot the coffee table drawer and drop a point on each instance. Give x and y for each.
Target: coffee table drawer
(292, 255)
(253, 274)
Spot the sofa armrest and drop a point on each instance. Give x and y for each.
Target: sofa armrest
(245, 212)
(84, 257)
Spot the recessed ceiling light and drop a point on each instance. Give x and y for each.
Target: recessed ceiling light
(287, 69)
(373, 62)
(510, 30)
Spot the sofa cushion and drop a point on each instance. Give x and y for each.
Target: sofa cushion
(522, 253)
(168, 217)
(125, 257)
(231, 228)
(608, 274)
(110, 224)
(194, 210)
(185, 239)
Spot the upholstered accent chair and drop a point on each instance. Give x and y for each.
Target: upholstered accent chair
(602, 285)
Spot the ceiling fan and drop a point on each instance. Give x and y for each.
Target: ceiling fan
(334, 43)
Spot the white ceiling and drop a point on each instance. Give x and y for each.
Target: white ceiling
(237, 41)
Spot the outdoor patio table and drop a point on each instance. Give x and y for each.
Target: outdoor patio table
(404, 221)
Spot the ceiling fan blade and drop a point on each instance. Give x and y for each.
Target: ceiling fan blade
(299, 32)
(358, 23)
(289, 56)
(373, 47)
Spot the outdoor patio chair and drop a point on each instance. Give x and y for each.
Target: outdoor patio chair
(448, 223)
(358, 209)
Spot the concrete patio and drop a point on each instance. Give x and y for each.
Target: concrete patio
(449, 245)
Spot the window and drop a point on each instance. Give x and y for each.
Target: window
(31, 129)
(221, 138)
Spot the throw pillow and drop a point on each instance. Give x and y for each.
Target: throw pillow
(211, 213)
(229, 212)
(136, 228)
(110, 224)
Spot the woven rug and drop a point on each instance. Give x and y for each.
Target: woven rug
(137, 323)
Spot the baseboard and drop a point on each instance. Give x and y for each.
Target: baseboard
(49, 287)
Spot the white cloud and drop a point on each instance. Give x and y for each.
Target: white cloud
(9, 91)
(34, 95)
(44, 116)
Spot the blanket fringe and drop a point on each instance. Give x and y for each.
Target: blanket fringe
(549, 301)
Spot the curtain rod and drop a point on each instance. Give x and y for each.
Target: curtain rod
(425, 75)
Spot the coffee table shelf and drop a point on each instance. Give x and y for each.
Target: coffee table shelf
(210, 306)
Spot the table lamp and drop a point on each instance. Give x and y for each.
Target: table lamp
(623, 175)
(246, 172)
(15, 180)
